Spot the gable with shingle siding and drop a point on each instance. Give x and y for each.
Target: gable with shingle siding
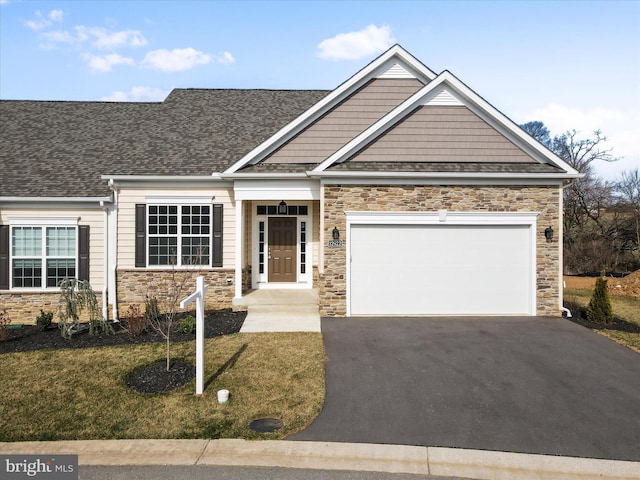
(345, 121)
(442, 134)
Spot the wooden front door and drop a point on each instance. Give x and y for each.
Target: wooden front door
(282, 249)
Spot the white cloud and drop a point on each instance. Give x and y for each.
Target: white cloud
(59, 36)
(225, 58)
(56, 15)
(107, 39)
(41, 22)
(105, 63)
(176, 60)
(621, 127)
(138, 94)
(356, 45)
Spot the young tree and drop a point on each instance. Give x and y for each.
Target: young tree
(599, 309)
(163, 301)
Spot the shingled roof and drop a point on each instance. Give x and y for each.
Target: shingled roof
(61, 149)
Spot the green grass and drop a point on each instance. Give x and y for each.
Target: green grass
(82, 393)
(626, 310)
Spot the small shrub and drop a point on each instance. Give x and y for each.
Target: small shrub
(151, 309)
(5, 321)
(44, 320)
(187, 324)
(99, 325)
(136, 321)
(599, 309)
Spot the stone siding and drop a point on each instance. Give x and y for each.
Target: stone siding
(25, 307)
(542, 199)
(134, 286)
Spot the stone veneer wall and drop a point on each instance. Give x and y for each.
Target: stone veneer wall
(136, 285)
(25, 307)
(542, 199)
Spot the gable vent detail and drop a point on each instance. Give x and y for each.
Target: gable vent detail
(396, 71)
(442, 97)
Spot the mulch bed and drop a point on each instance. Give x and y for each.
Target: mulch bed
(155, 378)
(29, 338)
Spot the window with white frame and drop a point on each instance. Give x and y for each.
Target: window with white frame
(42, 256)
(179, 235)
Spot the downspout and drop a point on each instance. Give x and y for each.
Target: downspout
(105, 278)
(114, 289)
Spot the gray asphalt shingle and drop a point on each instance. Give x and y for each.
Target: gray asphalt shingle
(60, 149)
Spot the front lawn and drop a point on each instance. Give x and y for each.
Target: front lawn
(73, 394)
(626, 309)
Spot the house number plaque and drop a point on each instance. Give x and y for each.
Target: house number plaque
(335, 244)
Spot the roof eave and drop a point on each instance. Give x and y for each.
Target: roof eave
(445, 175)
(98, 200)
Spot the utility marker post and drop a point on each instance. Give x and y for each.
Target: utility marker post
(198, 296)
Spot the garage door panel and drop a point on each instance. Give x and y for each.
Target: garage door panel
(434, 269)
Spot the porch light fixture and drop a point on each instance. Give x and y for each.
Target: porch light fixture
(282, 208)
(335, 233)
(548, 233)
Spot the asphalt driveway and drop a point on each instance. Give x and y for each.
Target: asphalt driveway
(519, 384)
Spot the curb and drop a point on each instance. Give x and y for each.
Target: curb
(477, 464)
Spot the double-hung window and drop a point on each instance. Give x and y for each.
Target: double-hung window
(43, 255)
(179, 234)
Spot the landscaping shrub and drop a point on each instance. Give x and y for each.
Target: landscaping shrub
(136, 321)
(5, 321)
(599, 309)
(76, 296)
(151, 309)
(187, 324)
(44, 320)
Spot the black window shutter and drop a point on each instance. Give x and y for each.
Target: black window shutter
(217, 235)
(141, 235)
(4, 257)
(83, 252)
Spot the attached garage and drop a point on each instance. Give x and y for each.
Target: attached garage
(441, 263)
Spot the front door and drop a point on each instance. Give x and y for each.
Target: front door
(282, 249)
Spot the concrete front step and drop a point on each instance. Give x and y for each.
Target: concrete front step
(282, 318)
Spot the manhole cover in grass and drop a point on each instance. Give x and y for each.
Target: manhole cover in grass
(264, 425)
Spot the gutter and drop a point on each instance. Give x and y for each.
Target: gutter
(100, 200)
(159, 178)
(264, 176)
(439, 175)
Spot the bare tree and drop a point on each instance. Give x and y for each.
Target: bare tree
(539, 131)
(163, 302)
(588, 233)
(628, 196)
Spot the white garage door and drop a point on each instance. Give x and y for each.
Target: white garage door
(441, 270)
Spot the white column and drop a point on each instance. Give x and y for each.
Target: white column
(239, 249)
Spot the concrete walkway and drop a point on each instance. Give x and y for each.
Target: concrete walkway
(438, 461)
(281, 310)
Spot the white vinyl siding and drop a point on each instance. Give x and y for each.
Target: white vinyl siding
(92, 217)
(126, 231)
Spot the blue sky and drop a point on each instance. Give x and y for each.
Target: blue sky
(570, 64)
